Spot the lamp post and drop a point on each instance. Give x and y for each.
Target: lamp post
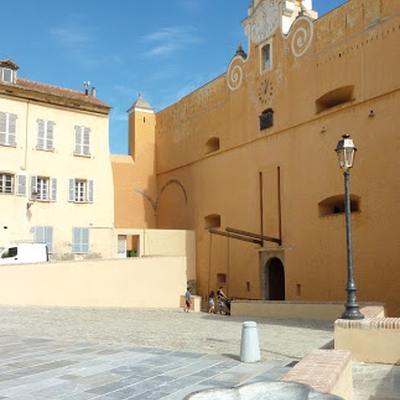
(345, 151)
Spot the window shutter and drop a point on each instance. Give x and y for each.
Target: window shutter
(39, 234)
(44, 234)
(78, 140)
(86, 141)
(80, 240)
(21, 185)
(53, 189)
(12, 129)
(3, 127)
(40, 134)
(49, 238)
(85, 240)
(33, 186)
(71, 189)
(8, 129)
(50, 135)
(76, 240)
(90, 191)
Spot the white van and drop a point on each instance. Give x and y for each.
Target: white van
(24, 253)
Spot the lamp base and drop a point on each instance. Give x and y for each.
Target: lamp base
(352, 312)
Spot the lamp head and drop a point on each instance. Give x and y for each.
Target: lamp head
(345, 151)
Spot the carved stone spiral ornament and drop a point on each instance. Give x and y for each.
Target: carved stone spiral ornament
(235, 73)
(302, 36)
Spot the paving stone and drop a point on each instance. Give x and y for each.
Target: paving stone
(143, 354)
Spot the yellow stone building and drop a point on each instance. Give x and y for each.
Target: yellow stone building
(248, 160)
(55, 171)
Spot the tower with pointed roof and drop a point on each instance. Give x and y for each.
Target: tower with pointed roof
(141, 128)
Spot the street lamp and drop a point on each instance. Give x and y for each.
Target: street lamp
(345, 151)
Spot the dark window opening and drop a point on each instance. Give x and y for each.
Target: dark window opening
(266, 55)
(221, 279)
(267, 119)
(212, 221)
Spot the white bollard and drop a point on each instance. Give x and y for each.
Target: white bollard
(249, 347)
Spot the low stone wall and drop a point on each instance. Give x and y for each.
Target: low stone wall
(194, 299)
(143, 282)
(374, 339)
(326, 371)
(322, 311)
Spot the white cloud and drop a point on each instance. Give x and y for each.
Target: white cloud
(170, 39)
(74, 35)
(81, 41)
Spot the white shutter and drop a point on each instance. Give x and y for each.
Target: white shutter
(49, 238)
(49, 135)
(40, 134)
(8, 129)
(39, 234)
(12, 129)
(3, 127)
(86, 141)
(90, 191)
(33, 186)
(78, 140)
(21, 185)
(53, 192)
(71, 189)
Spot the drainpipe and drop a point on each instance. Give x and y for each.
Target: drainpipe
(23, 166)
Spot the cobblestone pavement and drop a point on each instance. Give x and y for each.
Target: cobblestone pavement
(97, 353)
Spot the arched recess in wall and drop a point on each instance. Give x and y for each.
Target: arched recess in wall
(170, 206)
(335, 205)
(335, 97)
(173, 210)
(212, 145)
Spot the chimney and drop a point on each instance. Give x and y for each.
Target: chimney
(93, 92)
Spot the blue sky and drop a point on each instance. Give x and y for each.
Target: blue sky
(163, 49)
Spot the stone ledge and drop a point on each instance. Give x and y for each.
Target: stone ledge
(374, 339)
(327, 371)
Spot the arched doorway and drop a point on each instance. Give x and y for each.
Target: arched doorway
(274, 280)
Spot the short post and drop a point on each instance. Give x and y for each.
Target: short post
(249, 347)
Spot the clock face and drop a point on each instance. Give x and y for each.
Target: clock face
(265, 20)
(265, 91)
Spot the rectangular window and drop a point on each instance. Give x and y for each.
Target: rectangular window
(80, 240)
(8, 75)
(267, 56)
(8, 129)
(44, 234)
(44, 188)
(82, 141)
(45, 135)
(6, 183)
(267, 119)
(81, 190)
